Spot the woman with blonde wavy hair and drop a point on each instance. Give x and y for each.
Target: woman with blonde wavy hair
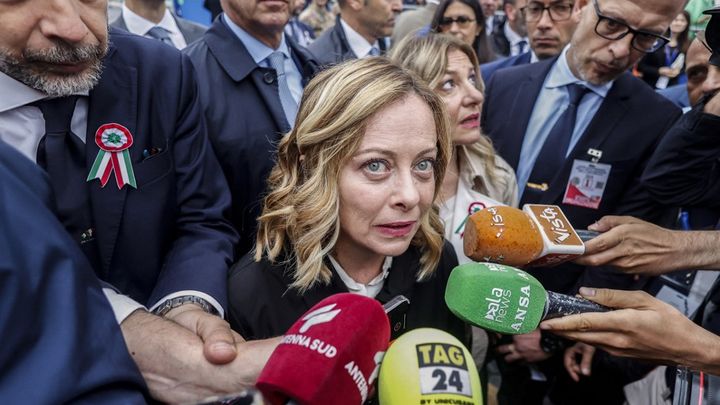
(350, 204)
(476, 177)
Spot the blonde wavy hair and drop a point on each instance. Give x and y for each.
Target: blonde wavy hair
(300, 218)
(427, 56)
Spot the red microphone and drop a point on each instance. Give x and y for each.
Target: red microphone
(331, 354)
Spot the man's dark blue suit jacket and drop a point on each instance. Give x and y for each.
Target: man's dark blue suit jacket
(245, 118)
(170, 233)
(488, 69)
(60, 340)
(626, 128)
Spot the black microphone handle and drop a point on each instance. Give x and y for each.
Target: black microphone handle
(585, 234)
(558, 305)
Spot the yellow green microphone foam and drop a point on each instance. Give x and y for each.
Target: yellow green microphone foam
(428, 366)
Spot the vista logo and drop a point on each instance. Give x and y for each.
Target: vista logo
(318, 316)
(557, 225)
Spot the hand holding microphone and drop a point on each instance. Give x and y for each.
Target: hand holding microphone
(539, 235)
(641, 326)
(507, 300)
(639, 247)
(333, 352)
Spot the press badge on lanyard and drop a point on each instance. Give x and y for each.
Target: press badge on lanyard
(587, 181)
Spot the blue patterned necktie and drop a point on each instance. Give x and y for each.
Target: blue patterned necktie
(289, 105)
(161, 34)
(553, 152)
(521, 45)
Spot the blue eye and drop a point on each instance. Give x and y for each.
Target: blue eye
(376, 166)
(425, 165)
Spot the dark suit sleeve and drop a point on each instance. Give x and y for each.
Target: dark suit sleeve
(637, 201)
(204, 240)
(684, 169)
(60, 340)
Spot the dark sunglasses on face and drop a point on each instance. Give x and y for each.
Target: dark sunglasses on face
(462, 21)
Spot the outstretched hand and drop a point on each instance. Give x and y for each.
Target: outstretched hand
(173, 359)
(636, 246)
(640, 327)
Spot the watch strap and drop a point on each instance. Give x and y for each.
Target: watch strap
(166, 306)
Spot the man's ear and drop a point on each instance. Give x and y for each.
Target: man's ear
(355, 5)
(509, 10)
(578, 10)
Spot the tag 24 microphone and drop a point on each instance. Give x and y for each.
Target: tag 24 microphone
(428, 366)
(507, 300)
(331, 353)
(539, 235)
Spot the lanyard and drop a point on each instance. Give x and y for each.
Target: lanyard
(671, 54)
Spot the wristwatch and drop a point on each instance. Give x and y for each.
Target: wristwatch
(166, 306)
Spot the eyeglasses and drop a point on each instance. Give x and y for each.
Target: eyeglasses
(461, 21)
(612, 29)
(533, 12)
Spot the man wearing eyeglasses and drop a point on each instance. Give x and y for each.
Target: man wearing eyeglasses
(579, 129)
(549, 29)
(510, 37)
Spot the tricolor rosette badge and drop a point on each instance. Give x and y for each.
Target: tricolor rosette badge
(114, 141)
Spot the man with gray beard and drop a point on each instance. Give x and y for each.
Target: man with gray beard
(114, 121)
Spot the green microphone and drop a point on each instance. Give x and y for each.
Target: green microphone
(507, 300)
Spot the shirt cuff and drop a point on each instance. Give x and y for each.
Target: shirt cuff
(212, 301)
(122, 305)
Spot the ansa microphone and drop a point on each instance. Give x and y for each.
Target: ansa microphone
(507, 300)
